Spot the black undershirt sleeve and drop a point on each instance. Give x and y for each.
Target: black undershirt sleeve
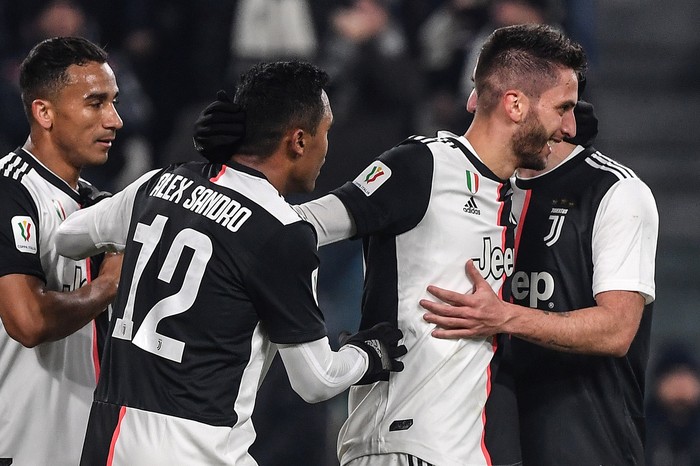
(19, 221)
(399, 203)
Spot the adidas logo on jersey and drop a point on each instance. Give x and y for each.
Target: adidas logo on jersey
(470, 207)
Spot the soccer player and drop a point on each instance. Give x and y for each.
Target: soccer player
(219, 272)
(422, 209)
(583, 288)
(48, 351)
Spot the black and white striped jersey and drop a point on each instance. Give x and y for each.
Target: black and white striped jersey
(423, 209)
(217, 269)
(45, 391)
(588, 226)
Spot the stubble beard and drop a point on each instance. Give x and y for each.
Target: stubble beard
(528, 142)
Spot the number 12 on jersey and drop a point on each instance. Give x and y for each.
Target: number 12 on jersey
(146, 337)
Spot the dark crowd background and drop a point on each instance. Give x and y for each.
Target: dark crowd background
(402, 67)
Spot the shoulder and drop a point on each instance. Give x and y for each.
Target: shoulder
(607, 165)
(621, 180)
(14, 183)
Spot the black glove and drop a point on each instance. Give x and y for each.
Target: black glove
(586, 125)
(90, 195)
(381, 345)
(219, 129)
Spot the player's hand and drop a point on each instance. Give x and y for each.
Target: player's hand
(219, 129)
(381, 343)
(90, 195)
(478, 313)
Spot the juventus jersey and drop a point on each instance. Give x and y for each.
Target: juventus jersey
(45, 391)
(218, 268)
(423, 209)
(588, 226)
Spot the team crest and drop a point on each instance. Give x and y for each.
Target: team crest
(472, 182)
(372, 178)
(557, 216)
(24, 231)
(58, 207)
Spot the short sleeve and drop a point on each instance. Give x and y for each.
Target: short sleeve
(282, 286)
(19, 231)
(391, 195)
(624, 240)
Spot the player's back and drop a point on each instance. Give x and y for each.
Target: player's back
(187, 348)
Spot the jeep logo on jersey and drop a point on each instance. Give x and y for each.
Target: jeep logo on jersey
(539, 286)
(24, 232)
(495, 262)
(372, 178)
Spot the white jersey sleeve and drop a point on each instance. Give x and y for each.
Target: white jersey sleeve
(317, 373)
(330, 218)
(625, 233)
(101, 227)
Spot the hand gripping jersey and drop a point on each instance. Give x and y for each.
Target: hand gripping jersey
(423, 209)
(217, 268)
(588, 226)
(45, 391)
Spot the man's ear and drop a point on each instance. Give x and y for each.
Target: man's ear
(297, 142)
(516, 105)
(42, 111)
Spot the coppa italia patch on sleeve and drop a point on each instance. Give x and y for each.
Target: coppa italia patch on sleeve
(24, 230)
(372, 177)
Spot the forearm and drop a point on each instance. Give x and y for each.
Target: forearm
(330, 218)
(606, 329)
(65, 313)
(594, 330)
(35, 315)
(317, 373)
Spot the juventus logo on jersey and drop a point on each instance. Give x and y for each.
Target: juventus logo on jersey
(557, 216)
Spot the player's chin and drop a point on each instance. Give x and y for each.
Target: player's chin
(99, 157)
(534, 161)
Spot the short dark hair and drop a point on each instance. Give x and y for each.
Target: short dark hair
(526, 57)
(43, 71)
(278, 96)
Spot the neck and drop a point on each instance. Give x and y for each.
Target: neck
(491, 144)
(268, 166)
(54, 160)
